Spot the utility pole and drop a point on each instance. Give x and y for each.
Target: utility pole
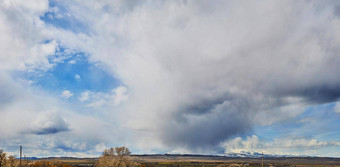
(262, 159)
(25, 159)
(20, 155)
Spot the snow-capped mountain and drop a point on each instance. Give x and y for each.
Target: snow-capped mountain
(250, 154)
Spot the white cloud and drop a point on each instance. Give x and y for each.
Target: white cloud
(49, 122)
(276, 146)
(84, 96)
(337, 107)
(98, 99)
(119, 95)
(77, 77)
(32, 6)
(25, 42)
(66, 94)
(72, 62)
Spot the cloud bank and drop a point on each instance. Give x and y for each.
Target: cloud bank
(297, 146)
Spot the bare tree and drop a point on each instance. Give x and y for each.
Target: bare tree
(11, 160)
(2, 158)
(116, 157)
(117, 151)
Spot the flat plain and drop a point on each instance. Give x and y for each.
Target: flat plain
(168, 160)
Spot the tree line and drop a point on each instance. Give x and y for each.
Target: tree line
(113, 157)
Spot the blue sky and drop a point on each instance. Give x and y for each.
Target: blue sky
(170, 77)
(73, 72)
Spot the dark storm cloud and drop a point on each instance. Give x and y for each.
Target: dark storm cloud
(321, 94)
(205, 105)
(205, 127)
(206, 133)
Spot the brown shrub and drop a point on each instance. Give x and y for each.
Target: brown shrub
(45, 163)
(2, 158)
(11, 161)
(116, 157)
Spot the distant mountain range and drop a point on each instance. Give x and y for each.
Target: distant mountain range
(30, 158)
(249, 154)
(242, 154)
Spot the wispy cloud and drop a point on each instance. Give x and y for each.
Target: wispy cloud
(66, 94)
(72, 62)
(77, 76)
(98, 99)
(85, 96)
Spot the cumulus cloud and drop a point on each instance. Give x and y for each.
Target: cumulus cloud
(49, 123)
(200, 73)
(25, 43)
(32, 110)
(277, 145)
(98, 99)
(66, 94)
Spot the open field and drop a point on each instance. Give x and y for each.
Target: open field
(209, 161)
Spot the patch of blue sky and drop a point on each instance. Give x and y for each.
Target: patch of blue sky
(322, 122)
(59, 17)
(316, 122)
(72, 71)
(275, 130)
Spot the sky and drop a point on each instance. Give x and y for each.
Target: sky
(199, 77)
